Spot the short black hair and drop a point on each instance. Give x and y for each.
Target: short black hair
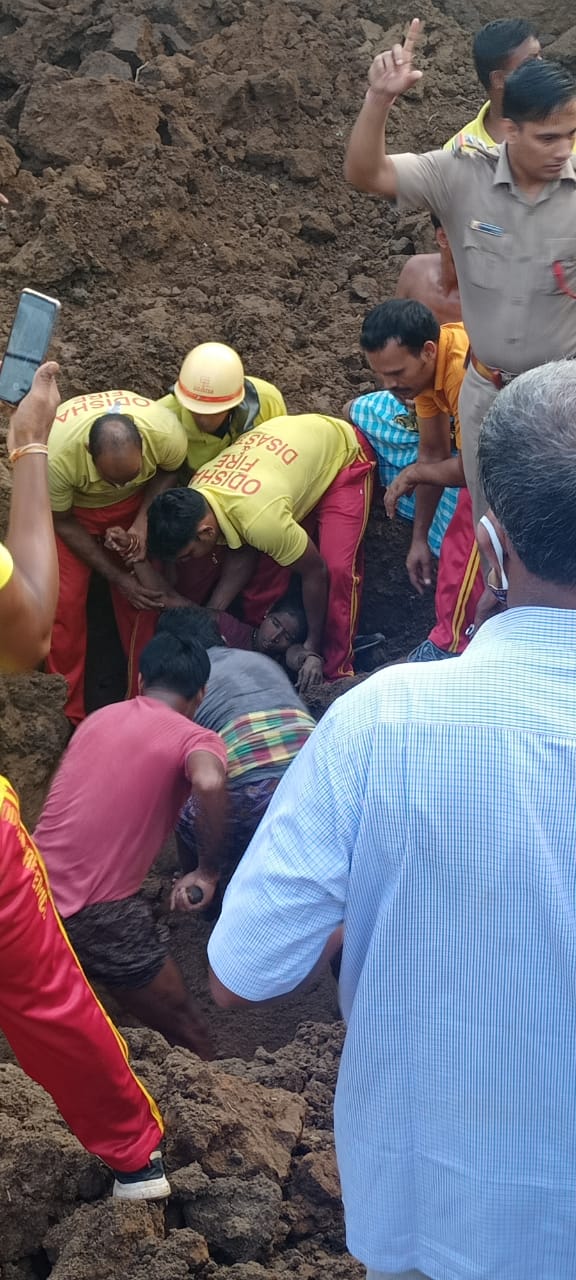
(494, 43)
(112, 431)
(400, 320)
(527, 468)
(436, 223)
(536, 90)
(191, 623)
(171, 663)
(173, 518)
(287, 604)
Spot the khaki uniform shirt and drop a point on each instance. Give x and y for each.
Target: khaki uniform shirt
(504, 247)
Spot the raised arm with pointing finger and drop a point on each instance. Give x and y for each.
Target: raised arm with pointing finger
(367, 165)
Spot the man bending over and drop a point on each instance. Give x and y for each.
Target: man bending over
(114, 801)
(297, 489)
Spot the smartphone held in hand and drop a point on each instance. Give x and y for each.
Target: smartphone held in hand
(28, 344)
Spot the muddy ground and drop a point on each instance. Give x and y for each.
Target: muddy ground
(174, 174)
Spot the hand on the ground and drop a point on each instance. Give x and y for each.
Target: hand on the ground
(402, 484)
(179, 900)
(311, 674)
(123, 541)
(30, 423)
(392, 72)
(420, 566)
(140, 597)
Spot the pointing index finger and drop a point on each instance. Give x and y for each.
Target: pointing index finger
(412, 36)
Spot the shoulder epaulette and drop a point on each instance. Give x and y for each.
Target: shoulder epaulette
(465, 144)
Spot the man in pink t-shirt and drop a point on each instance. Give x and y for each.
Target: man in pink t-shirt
(113, 802)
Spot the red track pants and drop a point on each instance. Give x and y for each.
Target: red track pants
(52, 1018)
(69, 635)
(459, 584)
(337, 526)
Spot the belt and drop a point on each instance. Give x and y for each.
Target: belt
(498, 377)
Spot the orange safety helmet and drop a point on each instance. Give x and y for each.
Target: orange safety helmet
(211, 379)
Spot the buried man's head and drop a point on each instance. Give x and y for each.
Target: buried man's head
(174, 670)
(284, 625)
(181, 524)
(115, 446)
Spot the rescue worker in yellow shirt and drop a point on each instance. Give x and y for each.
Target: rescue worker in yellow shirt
(110, 453)
(216, 403)
(297, 489)
(497, 49)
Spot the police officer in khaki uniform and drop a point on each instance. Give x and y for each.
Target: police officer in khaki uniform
(510, 216)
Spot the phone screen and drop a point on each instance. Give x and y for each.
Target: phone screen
(27, 345)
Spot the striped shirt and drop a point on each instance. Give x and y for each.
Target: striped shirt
(433, 811)
(391, 429)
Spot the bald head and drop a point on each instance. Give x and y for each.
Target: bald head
(115, 446)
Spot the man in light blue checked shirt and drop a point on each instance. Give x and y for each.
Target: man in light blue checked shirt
(391, 428)
(432, 814)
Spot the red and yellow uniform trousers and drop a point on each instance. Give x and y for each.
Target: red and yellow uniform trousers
(337, 526)
(52, 1018)
(459, 582)
(70, 633)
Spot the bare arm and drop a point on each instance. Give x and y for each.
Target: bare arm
(159, 483)
(434, 446)
(28, 601)
(314, 575)
(449, 473)
(207, 777)
(368, 166)
(237, 571)
(83, 545)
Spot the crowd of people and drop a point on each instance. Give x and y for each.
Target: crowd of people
(419, 836)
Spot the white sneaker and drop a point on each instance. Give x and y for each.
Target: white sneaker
(149, 1183)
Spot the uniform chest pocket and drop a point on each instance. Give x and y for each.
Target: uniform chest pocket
(556, 266)
(485, 258)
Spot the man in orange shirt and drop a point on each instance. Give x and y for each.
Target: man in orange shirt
(417, 360)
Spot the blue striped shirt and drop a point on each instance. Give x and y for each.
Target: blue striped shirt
(392, 431)
(433, 810)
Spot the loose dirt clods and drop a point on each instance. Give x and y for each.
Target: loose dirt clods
(174, 171)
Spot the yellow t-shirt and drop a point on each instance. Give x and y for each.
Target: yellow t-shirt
(443, 398)
(474, 129)
(73, 480)
(262, 486)
(203, 447)
(6, 565)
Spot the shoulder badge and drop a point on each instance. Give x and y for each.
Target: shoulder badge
(465, 144)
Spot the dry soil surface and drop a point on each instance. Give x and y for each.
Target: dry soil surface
(174, 171)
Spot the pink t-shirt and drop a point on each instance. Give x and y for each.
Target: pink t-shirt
(115, 799)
